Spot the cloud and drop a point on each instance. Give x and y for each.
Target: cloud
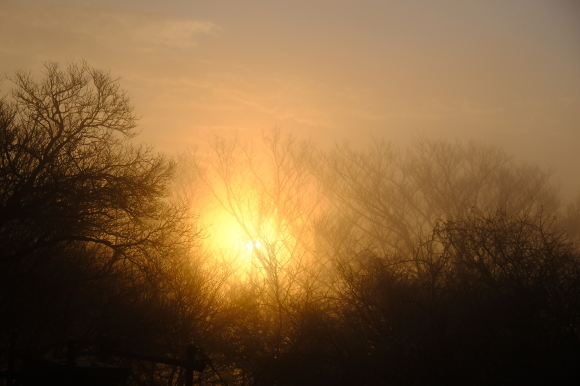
(52, 27)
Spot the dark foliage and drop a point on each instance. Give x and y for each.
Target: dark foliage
(89, 245)
(489, 299)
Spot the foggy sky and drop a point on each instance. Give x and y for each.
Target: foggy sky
(503, 72)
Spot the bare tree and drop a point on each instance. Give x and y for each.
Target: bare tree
(571, 221)
(268, 191)
(68, 170)
(83, 215)
(385, 200)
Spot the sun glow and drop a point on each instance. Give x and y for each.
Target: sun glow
(242, 247)
(253, 244)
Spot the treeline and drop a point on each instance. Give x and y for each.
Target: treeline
(445, 263)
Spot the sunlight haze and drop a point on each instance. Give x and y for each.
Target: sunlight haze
(506, 73)
(297, 193)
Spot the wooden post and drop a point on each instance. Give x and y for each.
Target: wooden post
(70, 353)
(189, 364)
(11, 360)
(104, 350)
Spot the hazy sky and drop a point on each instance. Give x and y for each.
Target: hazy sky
(505, 72)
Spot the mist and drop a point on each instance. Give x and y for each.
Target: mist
(501, 73)
(294, 193)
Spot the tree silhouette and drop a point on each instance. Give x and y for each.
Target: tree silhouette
(68, 170)
(373, 290)
(491, 298)
(447, 264)
(83, 220)
(386, 200)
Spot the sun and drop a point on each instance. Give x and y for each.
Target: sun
(253, 244)
(242, 247)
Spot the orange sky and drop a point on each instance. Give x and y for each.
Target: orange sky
(506, 72)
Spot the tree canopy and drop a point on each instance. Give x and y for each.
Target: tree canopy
(68, 170)
(447, 263)
(87, 233)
